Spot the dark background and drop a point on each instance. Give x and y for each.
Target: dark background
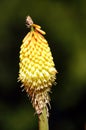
(65, 25)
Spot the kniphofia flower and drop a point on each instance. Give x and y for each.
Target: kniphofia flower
(37, 70)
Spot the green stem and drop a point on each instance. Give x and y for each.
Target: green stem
(43, 120)
(32, 29)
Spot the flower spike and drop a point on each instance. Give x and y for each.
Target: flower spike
(37, 70)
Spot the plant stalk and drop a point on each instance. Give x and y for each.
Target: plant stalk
(43, 120)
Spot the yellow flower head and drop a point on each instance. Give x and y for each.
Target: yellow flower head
(36, 68)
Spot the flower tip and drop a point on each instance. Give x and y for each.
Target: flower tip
(29, 21)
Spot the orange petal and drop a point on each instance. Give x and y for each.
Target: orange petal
(40, 31)
(36, 26)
